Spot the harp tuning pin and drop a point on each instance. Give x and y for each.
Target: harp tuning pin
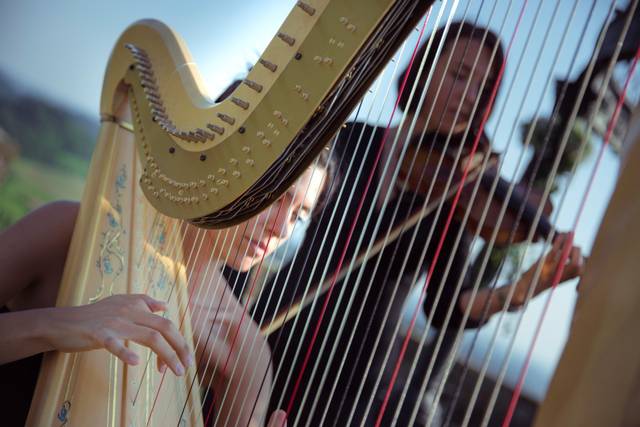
(213, 191)
(240, 103)
(351, 28)
(317, 59)
(236, 174)
(298, 88)
(233, 161)
(226, 118)
(268, 65)
(211, 177)
(343, 20)
(246, 149)
(327, 61)
(266, 142)
(306, 7)
(250, 162)
(286, 38)
(253, 85)
(260, 134)
(202, 183)
(217, 129)
(222, 171)
(205, 196)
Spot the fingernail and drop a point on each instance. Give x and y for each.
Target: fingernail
(179, 369)
(190, 360)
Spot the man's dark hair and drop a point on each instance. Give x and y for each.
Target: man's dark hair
(467, 32)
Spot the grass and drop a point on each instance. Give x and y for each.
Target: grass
(30, 184)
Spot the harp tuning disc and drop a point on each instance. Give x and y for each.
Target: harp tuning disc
(286, 38)
(253, 85)
(240, 103)
(226, 118)
(268, 65)
(306, 7)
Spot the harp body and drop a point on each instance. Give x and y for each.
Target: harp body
(112, 231)
(166, 153)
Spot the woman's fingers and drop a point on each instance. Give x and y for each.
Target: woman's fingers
(278, 419)
(152, 303)
(116, 346)
(170, 334)
(575, 264)
(157, 343)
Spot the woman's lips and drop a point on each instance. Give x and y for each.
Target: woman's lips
(257, 245)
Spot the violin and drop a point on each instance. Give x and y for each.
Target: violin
(418, 173)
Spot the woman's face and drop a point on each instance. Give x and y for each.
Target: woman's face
(454, 80)
(262, 234)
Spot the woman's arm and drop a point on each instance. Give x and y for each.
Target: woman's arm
(32, 256)
(233, 354)
(497, 299)
(104, 324)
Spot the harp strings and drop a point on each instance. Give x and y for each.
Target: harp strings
(344, 250)
(492, 287)
(245, 345)
(250, 350)
(367, 252)
(567, 245)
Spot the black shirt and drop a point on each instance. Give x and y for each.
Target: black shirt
(389, 272)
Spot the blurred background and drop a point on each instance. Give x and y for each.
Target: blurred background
(53, 56)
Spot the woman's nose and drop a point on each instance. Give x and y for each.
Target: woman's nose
(277, 222)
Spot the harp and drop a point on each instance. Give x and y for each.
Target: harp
(168, 156)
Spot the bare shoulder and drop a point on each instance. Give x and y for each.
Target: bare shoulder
(34, 249)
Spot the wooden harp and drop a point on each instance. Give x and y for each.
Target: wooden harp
(168, 156)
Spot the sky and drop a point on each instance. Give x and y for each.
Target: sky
(60, 50)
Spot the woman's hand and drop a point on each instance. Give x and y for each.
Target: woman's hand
(574, 267)
(109, 322)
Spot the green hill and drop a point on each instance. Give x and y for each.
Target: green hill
(55, 148)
